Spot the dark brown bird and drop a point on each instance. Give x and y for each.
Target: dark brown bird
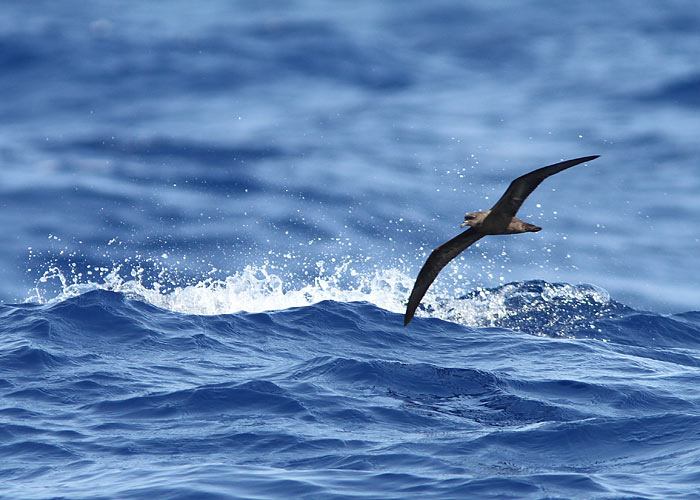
(500, 219)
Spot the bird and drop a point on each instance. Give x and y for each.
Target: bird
(500, 219)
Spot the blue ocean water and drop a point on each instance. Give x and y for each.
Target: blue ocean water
(214, 214)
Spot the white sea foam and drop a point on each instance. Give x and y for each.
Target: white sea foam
(532, 306)
(253, 289)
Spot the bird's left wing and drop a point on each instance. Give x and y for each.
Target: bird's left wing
(520, 188)
(438, 259)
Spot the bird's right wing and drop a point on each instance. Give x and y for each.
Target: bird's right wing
(520, 188)
(438, 259)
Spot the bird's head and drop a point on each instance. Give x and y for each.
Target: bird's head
(474, 218)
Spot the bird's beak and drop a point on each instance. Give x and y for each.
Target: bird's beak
(464, 224)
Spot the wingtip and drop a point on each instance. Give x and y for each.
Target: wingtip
(407, 319)
(578, 161)
(410, 311)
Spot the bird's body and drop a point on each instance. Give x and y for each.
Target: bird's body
(488, 223)
(500, 219)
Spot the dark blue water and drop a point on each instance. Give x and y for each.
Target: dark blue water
(213, 215)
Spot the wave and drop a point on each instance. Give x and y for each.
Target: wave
(534, 307)
(539, 307)
(521, 387)
(253, 289)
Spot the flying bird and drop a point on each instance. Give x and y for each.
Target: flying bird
(500, 219)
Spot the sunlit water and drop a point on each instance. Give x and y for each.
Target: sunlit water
(213, 215)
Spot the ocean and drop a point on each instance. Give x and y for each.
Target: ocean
(214, 214)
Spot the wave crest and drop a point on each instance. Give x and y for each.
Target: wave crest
(253, 289)
(537, 307)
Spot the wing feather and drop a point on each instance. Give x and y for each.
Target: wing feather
(438, 259)
(520, 188)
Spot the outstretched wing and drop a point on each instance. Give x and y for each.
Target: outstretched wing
(432, 267)
(520, 188)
